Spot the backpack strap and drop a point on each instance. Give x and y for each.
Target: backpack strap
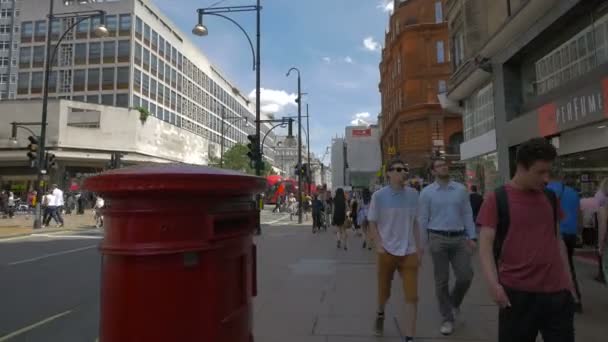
(502, 226)
(552, 197)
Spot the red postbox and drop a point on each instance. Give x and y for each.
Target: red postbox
(178, 255)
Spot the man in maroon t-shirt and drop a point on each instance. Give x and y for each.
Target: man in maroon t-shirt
(532, 286)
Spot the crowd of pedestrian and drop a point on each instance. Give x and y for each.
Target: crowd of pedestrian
(526, 232)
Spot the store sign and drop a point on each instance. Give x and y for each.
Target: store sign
(584, 106)
(392, 151)
(362, 132)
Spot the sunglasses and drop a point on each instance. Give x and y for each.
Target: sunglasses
(398, 169)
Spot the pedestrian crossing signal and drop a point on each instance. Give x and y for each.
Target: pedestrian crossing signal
(32, 148)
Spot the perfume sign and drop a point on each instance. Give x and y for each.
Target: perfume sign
(584, 106)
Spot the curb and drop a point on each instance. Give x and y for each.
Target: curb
(45, 230)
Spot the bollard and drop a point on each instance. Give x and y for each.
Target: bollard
(178, 258)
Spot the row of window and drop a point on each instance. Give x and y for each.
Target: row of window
(575, 57)
(478, 116)
(108, 52)
(156, 52)
(36, 31)
(78, 80)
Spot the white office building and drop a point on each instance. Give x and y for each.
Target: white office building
(146, 61)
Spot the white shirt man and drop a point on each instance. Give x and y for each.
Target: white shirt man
(58, 193)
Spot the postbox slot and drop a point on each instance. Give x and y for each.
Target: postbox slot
(231, 224)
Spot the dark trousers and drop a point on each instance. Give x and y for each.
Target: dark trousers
(570, 241)
(316, 219)
(52, 212)
(551, 314)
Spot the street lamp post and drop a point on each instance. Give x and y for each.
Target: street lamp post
(299, 100)
(100, 31)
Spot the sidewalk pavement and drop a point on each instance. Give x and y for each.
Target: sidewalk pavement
(21, 224)
(309, 291)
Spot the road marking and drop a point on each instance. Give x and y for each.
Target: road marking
(275, 221)
(51, 255)
(69, 236)
(33, 326)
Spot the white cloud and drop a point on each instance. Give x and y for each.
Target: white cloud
(370, 44)
(387, 6)
(327, 60)
(274, 101)
(348, 60)
(362, 119)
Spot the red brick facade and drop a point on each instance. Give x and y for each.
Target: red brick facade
(415, 64)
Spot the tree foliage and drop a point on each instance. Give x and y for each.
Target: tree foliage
(236, 158)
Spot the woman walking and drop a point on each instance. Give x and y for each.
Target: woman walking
(339, 219)
(363, 222)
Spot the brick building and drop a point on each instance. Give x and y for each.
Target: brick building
(415, 68)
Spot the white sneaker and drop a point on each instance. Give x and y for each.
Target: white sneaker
(447, 328)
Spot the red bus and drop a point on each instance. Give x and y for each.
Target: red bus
(278, 186)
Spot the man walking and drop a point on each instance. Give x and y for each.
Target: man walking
(522, 254)
(393, 225)
(59, 203)
(476, 201)
(570, 203)
(445, 213)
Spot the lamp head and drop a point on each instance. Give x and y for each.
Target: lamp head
(200, 30)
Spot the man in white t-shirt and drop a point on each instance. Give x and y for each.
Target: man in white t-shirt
(59, 203)
(392, 218)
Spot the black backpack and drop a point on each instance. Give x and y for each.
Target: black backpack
(502, 228)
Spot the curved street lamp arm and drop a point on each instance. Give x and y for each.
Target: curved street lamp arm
(54, 54)
(27, 129)
(294, 68)
(267, 133)
(235, 23)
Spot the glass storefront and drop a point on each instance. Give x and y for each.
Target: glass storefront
(482, 171)
(585, 170)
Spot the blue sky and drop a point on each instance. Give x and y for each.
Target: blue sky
(335, 44)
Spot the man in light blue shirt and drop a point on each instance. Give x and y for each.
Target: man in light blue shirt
(445, 213)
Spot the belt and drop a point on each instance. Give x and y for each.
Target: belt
(448, 233)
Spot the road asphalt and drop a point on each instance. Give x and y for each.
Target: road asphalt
(308, 291)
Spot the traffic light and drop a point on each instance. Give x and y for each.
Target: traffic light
(297, 170)
(253, 145)
(32, 148)
(50, 160)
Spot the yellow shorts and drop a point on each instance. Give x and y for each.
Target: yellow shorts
(408, 269)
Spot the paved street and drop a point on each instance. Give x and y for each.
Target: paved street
(308, 291)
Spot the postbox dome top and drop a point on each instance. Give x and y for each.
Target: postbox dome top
(175, 177)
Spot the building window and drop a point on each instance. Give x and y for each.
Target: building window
(136, 101)
(173, 100)
(168, 52)
(6, 13)
(25, 57)
(145, 84)
(93, 79)
(93, 99)
(478, 117)
(95, 22)
(146, 59)
(137, 54)
(82, 30)
(152, 89)
(154, 38)
(38, 57)
(440, 52)
(27, 31)
(161, 69)
(124, 50)
(107, 99)
(37, 82)
(574, 58)
(94, 53)
(442, 88)
(438, 12)
(179, 82)
(146, 34)
(167, 73)
(161, 47)
(153, 65)
(161, 93)
(173, 78)
(139, 28)
(125, 25)
(53, 82)
(122, 100)
(40, 31)
(458, 44)
(79, 80)
(80, 54)
(109, 52)
(137, 81)
(108, 79)
(122, 78)
(5, 29)
(112, 25)
(23, 83)
(55, 29)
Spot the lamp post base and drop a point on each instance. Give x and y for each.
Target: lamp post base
(37, 217)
